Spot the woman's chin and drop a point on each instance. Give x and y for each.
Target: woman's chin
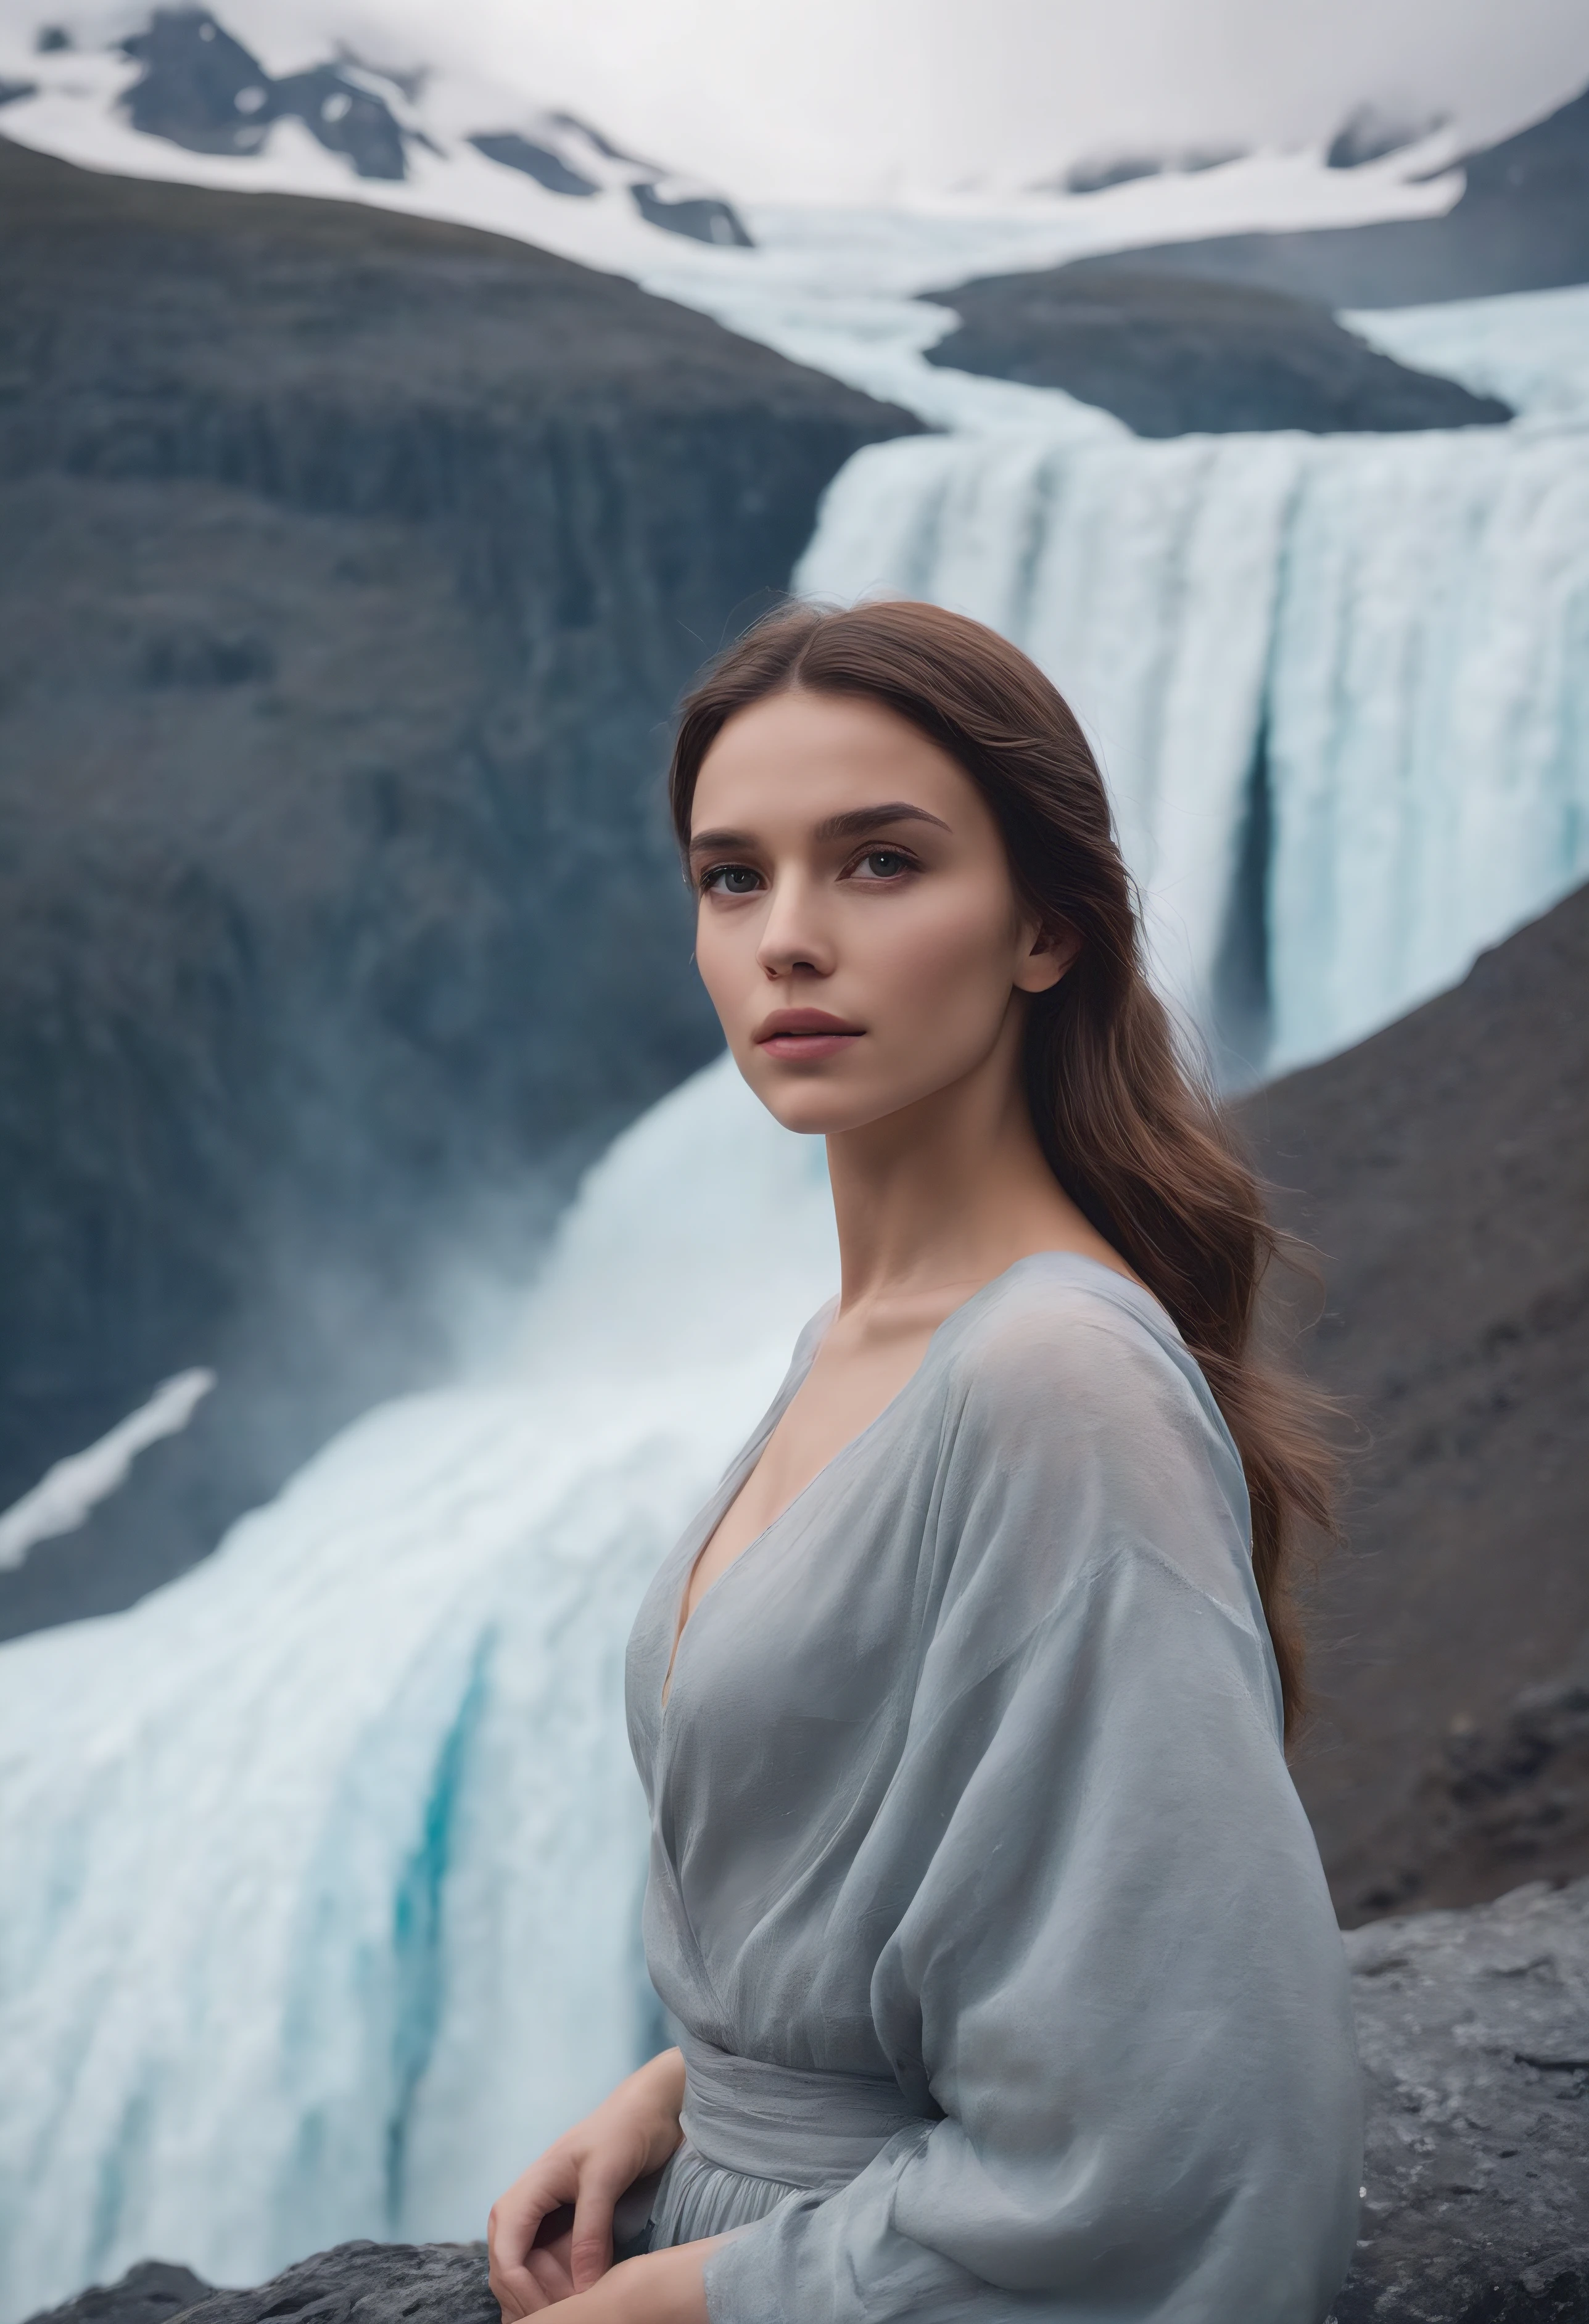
(814, 1113)
(814, 1104)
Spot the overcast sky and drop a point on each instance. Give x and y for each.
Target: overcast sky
(848, 98)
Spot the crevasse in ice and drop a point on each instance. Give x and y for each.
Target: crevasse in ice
(320, 1869)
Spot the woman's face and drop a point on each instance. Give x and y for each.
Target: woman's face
(858, 930)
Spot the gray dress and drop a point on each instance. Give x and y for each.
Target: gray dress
(1008, 1975)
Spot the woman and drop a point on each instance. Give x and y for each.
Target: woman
(1007, 1976)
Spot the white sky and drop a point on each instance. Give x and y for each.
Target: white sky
(839, 99)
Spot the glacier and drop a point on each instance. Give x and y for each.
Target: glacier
(446, 78)
(321, 1866)
(1339, 685)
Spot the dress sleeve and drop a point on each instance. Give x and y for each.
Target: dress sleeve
(1116, 1967)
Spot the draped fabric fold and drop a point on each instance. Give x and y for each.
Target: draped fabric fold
(1010, 1979)
(697, 2199)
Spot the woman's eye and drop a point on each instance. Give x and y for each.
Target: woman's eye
(732, 879)
(884, 863)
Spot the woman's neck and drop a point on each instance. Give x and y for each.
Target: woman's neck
(936, 1200)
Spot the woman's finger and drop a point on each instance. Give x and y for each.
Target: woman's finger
(517, 2292)
(511, 2230)
(548, 2266)
(590, 2245)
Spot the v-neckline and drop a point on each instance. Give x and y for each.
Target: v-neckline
(739, 1477)
(734, 1483)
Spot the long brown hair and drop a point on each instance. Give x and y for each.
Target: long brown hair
(1133, 1136)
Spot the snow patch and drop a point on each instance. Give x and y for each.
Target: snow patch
(70, 1491)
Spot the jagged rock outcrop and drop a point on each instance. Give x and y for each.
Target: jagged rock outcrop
(149, 2293)
(199, 86)
(1439, 1170)
(1473, 2031)
(1174, 357)
(424, 2283)
(203, 88)
(355, 565)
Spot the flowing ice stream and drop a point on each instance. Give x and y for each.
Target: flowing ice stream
(1339, 685)
(319, 1868)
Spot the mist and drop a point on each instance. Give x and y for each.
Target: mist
(854, 100)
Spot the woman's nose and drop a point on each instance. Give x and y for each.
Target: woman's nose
(794, 934)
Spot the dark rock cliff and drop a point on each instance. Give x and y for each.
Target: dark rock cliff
(1174, 357)
(355, 564)
(1441, 1169)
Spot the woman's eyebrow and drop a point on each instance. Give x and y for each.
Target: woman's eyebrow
(716, 843)
(851, 825)
(858, 819)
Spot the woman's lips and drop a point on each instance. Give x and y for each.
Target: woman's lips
(807, 1034)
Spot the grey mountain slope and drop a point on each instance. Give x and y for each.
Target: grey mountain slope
(355, 565)
(1442, 1171)
(1521, 224)
(1172, 356)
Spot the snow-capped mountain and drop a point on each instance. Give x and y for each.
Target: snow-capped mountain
(330, 97)
(180, 92)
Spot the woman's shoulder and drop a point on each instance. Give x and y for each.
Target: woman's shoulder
(1070, 1389)
(1062, 1346)
(1060, 1320)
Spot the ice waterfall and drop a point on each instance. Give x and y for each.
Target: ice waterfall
(320, 1869)
(1339, 685)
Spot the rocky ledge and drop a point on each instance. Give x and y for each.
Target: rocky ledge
(1473, 2027)
(1171, 356)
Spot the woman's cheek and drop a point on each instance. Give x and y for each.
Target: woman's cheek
(946, 974)
(722, 972)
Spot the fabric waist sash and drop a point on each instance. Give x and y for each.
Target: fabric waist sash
(803, 2128)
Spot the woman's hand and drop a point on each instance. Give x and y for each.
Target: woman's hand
(630, 2133)
(664, 2287)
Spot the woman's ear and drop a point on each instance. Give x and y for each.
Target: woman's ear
(1050, 953)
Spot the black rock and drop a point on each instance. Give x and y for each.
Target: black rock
(1439, 1170)
(355, 564)
(203, 88)
(347, 117)
(704, 218)
(547, 168)
(1172, 356)
(1368, 134)
(1473, 2031)
(199, 87)
(1097, 176)
(149, 2293)
(1521, 224)
(425, 2283)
